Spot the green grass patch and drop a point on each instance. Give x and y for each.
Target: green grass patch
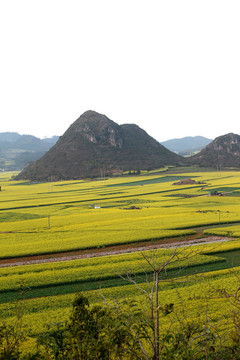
(8, 216)
(158, 180)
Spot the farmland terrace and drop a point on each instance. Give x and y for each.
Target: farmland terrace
(112, 250)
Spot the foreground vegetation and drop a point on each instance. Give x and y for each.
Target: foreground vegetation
(158, 319)
(52, 218)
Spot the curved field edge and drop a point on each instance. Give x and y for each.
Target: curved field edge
(132, 210)
(171, 212)
(233, 231)
(62, 243)
(97, 269)
(86, 274)
(198, 293)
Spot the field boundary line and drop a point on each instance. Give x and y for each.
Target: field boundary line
(211, 239)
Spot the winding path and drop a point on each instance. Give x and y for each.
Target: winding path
(39, 259)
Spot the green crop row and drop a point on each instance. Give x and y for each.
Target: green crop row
(94, 269)
(55, 217)
(192, 296)
(15, 245)
(230, 231)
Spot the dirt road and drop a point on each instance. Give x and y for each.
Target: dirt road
(104, 252)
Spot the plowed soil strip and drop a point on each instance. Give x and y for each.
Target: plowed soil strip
(113, 251)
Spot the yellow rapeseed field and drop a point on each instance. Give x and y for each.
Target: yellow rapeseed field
(45, 218)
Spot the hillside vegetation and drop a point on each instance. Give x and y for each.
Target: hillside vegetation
(223, 152)
(95, 145)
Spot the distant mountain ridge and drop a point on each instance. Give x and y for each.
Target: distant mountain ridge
(16, 150)
(94, 144)
(186, 146)
(9, 136)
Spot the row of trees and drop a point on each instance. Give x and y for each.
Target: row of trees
(127, 330)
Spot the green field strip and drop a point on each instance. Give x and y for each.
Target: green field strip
(75, 226)
(62, 289)
(195, 292)
(213, 224)
(5, 217)
(158, 180)
(77, 247)
(91, 271)
(228, 230)
(96, 199)
(107, 282)
(224, 189)
(197, 279)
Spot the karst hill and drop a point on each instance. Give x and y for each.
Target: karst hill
(95, 145)
(223, 152)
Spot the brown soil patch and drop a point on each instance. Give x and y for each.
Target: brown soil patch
(113, 250)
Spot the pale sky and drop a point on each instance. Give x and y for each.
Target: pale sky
(172, 67)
